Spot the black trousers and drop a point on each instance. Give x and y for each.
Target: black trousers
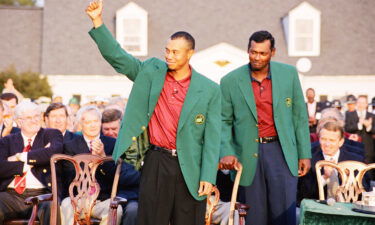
(164, 197)
(272, 195)
(12, 206)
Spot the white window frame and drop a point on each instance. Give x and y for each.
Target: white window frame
(133, 11)
(304, 11)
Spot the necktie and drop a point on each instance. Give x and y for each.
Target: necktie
(20, 181)
(333, 183)
(90, 146)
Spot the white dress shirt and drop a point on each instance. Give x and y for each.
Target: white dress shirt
(31, 181)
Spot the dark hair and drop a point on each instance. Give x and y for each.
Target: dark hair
(261, 36)
(110, 115)
(8, 96)
(54, 106)
(185, 35)
(333, 126)
(310, 89)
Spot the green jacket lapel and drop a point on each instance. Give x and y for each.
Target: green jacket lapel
(275, 85)
(192, 97)
(156, 87)
(247, 90)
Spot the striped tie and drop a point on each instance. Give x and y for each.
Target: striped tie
(20, 181)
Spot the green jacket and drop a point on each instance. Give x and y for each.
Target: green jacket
(240, 121)
(199, 126)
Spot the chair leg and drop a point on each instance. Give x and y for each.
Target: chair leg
(33, 215)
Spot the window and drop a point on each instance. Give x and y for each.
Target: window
(302, 30)
(131, 29)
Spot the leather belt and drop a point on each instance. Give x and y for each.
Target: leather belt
(172, 152)
(265, 140)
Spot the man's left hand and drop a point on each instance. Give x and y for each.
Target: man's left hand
(98, 148)
(13, 158)
(303, 167)
(204, 188)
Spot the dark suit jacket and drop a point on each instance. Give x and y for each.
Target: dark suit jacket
(129, 178)
(38, 157)
(308, 184)
(351, 126)
(13, 131)
(68, 136)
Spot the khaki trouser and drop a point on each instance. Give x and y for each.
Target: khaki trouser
(99, 211)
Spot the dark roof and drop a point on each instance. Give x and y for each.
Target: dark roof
(347, 31)
(21, 37)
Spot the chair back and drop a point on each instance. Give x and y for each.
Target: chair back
(212, 200)
(211, 205)
(351, 174)
(84, 189)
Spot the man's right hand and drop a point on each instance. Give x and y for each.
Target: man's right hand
(228, 162)
(94, 11)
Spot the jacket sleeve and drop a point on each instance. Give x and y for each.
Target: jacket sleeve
(211, 145)
(8, 169)
(112, 52)
(300, 120)
(42, 156)
(351, 123)
(227, 134)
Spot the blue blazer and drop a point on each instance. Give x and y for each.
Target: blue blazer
(38, 157)
(129, 178)
(308, 184)
(68, 136)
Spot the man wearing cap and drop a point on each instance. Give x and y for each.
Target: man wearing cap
(337, 104)
(350, 103)
(180, 108)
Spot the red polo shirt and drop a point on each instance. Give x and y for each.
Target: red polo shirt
(164, 121)
(263, 101)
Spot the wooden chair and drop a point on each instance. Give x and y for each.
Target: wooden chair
(351, 174)
(83, 190)
(234, 205)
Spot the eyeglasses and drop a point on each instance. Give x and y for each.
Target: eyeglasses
(32, 118)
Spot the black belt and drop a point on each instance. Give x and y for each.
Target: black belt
(265, 140)
(172, 152)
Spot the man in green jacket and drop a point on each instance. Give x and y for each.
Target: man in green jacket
(180, 109)
(265, 127)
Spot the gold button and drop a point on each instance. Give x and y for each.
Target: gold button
(256, 140)
(134, 138)
(143, 128)
(257, 125)
(49, 184)
(255, 155)
(44, 171)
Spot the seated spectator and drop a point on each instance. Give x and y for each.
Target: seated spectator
(351, 142)
(331, 138)
(25, 164)
(56, 116)
(6, 122)
(111, 122)
(89, 118)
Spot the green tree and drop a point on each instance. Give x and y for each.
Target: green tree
(30, 84)
(18, 2)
